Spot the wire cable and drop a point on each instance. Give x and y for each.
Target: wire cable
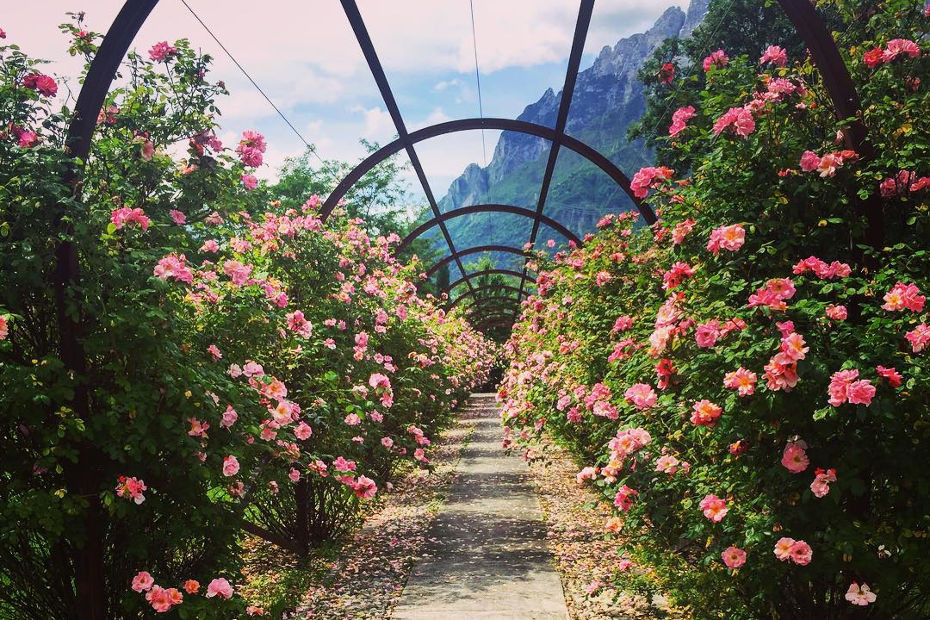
(474, 39)
(310, 147)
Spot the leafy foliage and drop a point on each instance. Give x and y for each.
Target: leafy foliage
(758, 277)
(245, 366)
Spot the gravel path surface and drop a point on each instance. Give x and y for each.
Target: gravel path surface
(587, 555)
(487, 554)
(482, 536)
(367, 579)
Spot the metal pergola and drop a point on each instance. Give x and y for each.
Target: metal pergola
(133, 14)
(484, 272)
(103, 68)
(556, 136)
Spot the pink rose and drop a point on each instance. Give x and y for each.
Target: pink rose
(142, 581)
(733, 557)
(794, 458)
(219, 587)
(230, 466)
(249, 181)
(714, 508)
(801, 553)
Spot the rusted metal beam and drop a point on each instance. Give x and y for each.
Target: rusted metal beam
(488, 208)
(469, 124)
(475, 250)
(484, 272)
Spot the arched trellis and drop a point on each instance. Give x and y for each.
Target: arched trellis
(497, 301)
(116, 43)
(133, 14)
(481, 289)
(472, 124)
(475, 250)
(480, 308)
(494, 313)
(488, 208)
(502, 320)
(483, 272)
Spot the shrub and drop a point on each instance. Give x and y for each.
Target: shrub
(239, 362)
(749, 376)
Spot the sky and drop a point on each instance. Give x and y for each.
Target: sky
(304, 56)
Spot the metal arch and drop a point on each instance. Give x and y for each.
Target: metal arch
(89, 575)
(101, 73)
(473, 292)
(484, 303)
(495, 313)
(475, 250)
(468, 124)
(487, 300)
(133, 14)
(568, 93)
(491, 325)
(489, 208)
(497, 320)
(403, 138)
(485, 272)
(846, 102)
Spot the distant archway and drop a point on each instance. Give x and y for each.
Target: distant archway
(475, 250)
(489, 208)
(476, 291)
(484, 272)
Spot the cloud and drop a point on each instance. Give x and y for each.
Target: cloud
(436, 116)
(378, 124)
(444, 84)
(308, 48)
(306, 58)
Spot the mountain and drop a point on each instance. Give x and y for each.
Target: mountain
(608, 97)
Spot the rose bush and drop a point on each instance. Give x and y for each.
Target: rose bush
(246, 366)
(747, 380)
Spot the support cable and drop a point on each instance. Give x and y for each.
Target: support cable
(310, 147)
(474, 40)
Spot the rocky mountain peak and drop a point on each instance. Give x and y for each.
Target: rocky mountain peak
(608, 97)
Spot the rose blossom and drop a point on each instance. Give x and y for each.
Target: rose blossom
(860, 595)
(219, 587)
(741, 380)
(142, 581)
(714, 508)
(822, 479)
(230, 466)
(794, 458)
(705, 413)
(733, 557)
(641, 395)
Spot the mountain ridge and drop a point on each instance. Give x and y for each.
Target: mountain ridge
(607, 98)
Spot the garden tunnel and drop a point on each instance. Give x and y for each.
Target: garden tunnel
(484, 293)
(494, 301)
(133, 14)
(483, 272)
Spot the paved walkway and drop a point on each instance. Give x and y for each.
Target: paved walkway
(488, 556)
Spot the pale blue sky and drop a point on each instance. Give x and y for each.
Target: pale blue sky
(303, 53)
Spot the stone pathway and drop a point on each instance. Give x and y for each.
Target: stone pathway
(488, 556)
